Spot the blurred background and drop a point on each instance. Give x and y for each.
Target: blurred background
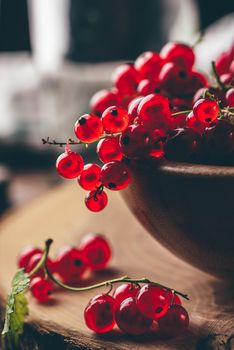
(55, 54)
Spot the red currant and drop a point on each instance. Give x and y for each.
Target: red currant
(71, 265)
(174, 79)
(25, 255)
(148, 64)
(34, 260)
(96, 200)
(69, 164)
(226, 78)
(194, 123)
(89, 179)
(156, 143)
(115, 119)
(175, 322)
(115, 175)
(230, 97)
(132, 109)
(101, 100)
(206, 111)
(41, 289)
(97, 251)
(108, 149)
(147, 87)
(134, 142)
(152, 301)
(219, 140)
(126, 79)
(130, 319)
(88, 128)
(154, 111)
(100, 313)
(182, 145)
(124, 291)
(178, 53)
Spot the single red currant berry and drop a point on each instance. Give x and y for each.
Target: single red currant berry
(130, 319)
(97, 251)
(124, 291)
(178, 53)
(182, 145)
(174, 80)
(175, 322)
(230, 97)
(108, 149)
(154, 111)
(134, 142)
(41, 289)
(195, 82)
(88, 128)
(147, 87)
(89, 179)
(226, 78)
(218, 140)
(156, 142)
(96, 200)
(223, 62)
(71, 265)
(148, 64)
(206, 111)
(115, 176)
(25, 255)
(115, 119)
(100, 313)
(126, 79)
(34, 260)
(101, 100)
(194, 123)
(132, 109)
(69, 164)
(152, 301)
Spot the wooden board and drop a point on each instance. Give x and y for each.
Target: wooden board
(61, 215)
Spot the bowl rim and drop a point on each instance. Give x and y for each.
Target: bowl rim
(194, 169)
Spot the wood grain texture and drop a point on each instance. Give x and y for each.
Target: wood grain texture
(61, 215)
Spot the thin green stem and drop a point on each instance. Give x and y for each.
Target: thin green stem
(181, 112)
(44, 257)
(101, 284)
(217, 77)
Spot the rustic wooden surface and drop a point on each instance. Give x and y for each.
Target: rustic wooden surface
(61, 215)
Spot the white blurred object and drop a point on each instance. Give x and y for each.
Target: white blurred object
(183, 20)
(218, 37)
(49, 30)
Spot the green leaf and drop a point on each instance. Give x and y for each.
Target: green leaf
(16, 308)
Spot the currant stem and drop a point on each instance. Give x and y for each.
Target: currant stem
(101, 284)
(43, 259)
(73, 142)
(181, 112)
(217, 77)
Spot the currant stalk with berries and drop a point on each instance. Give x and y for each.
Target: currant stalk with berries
(134, 305)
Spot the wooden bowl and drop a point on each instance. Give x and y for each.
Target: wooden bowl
(189, 208)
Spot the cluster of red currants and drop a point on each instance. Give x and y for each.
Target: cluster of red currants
(160, 106)
(134, 309)
(70, 264)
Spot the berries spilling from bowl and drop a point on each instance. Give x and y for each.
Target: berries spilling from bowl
(160, 107)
